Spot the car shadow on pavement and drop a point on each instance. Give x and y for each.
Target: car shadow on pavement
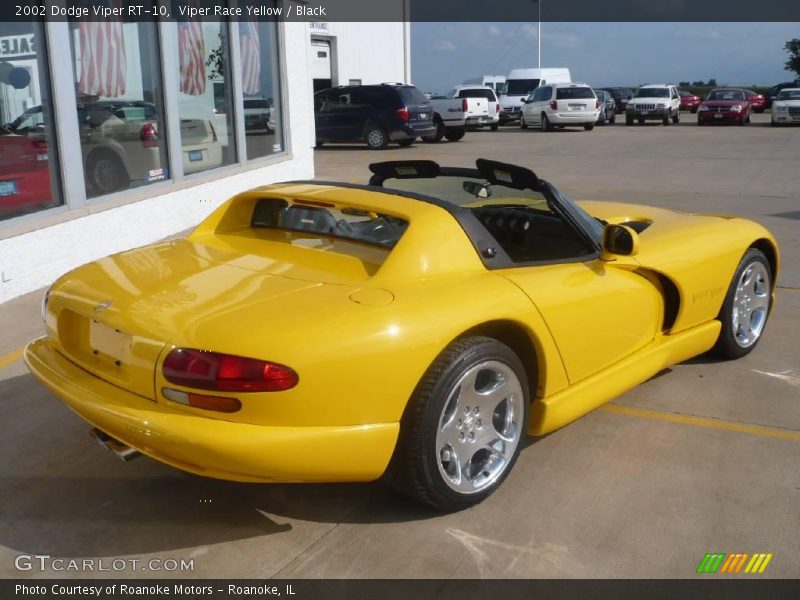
(65, 496)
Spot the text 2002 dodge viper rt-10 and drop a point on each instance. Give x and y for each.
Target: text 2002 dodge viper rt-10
(414, 328)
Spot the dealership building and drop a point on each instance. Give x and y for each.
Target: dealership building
(118, 134)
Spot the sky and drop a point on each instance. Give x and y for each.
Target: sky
(444, 54)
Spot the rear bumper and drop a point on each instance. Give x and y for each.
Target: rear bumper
(588, 117)
(407, 132)
(213, 448)
(483, 121)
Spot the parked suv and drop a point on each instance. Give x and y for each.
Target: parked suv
(560, 104)
(659, 101)
(375, 114)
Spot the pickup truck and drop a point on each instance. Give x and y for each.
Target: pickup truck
(449, 118)
(482, 106)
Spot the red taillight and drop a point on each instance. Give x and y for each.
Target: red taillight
(597, 104)
(226, 373)
(554, 105)
(464, 105)
(497, 108)
(402, 114)
(149, 136)
(40, 149)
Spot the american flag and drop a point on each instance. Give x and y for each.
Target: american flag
(251, 57)
(192, 52)
(103, 60)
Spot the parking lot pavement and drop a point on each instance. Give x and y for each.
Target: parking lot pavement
(702, 458)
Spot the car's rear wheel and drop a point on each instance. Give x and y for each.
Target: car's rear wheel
(493, 126)
(746, 307)
(588, 127)
(462, 429)
(406, 143)
(376, 138)
(106, 172)
(454, 135)
(546, 123)
(436, 137)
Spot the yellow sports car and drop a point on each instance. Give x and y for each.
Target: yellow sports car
(414, 328)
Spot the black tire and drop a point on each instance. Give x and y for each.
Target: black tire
(546, 126)
(455, 135)
(493, 127)
(522, 123)
(727, 345)
(665, 120)
(693, 111)
(588, 127)
(676, 118)
(628, 120)
(376, 138)
(414, 469)
(406, 143)
(613, 118)
(641, 121)
(437, 137)
(106, 173)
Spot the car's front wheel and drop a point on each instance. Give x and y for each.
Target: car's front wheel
(462, 428)
(746, 307)
(522, 123)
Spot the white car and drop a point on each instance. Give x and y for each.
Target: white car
(481, 108)
(560, 105)
(655, 101)
(520, 83)
(786, 107)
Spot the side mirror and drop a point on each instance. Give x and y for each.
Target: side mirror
(619, 240)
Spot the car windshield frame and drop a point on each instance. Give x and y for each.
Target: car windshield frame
(584, 225)
(527, 85)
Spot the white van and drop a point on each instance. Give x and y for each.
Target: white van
(520, 83)
(495, 82)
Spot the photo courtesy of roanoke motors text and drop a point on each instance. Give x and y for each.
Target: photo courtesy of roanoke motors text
(334, 299)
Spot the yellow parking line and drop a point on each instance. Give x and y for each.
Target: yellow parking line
(646, 413)
(11, 358)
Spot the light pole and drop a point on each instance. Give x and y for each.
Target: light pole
(539, 31)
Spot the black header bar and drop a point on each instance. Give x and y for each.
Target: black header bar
(406, 10)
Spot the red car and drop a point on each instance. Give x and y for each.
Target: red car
(24, 174)
(689, 101)
(757, 101)
(725, 105)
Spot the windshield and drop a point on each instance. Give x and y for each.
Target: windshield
(652, 93)
(574, 93)
(726, 95)
(789, 95)
(618, 91)
(520, 87)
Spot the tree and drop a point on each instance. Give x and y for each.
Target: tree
(792, 48)
(712, 82)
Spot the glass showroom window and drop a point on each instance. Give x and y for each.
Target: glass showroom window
(120, 107)
(28, 166)
(204, 101)
(258, 41)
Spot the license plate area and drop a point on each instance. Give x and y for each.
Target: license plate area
(109, 342)
(195, 155)
(8, 188)
(577, 106)
(718, 116)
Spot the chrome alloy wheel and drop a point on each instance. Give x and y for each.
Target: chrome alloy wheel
(480, 427)
(375, 137)
(751, 304)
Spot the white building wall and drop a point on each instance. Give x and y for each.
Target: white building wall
(34, 260)
(371, 52)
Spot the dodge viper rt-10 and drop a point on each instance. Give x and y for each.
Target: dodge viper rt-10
(415, 328)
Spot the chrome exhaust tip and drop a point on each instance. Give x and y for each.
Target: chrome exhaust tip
(124, 452)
